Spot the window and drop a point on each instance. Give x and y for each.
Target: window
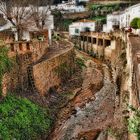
(82, 38)
(87, 29)
(89, 39)
(107, 43)
(94, 40)
(20, 46)
(77, 31)
(12, 47)
(28, 46)
(100, 42)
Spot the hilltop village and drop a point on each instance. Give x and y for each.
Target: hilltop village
(69, 70)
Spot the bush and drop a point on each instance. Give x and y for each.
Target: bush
(134, 122)
(80, 63)
(22, 119)
(138, 23)
(134, 23)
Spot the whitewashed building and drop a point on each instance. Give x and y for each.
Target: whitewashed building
(128, 15)
(48, 25)
(122, 19)
(112, 20)
(69, 7)
(81, 26)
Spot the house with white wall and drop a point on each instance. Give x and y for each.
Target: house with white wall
(128, 15)
(81, 26)
(48, 25)
(122, 19)
(69, 7)
(112, 20)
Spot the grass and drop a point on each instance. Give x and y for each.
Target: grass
(21, 119)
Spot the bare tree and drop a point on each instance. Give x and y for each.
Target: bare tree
(40, 11)
(24, 14)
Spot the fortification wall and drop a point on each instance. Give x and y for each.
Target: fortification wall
(46, 74)
(32, 72)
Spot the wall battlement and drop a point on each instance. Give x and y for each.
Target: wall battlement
(36, 49)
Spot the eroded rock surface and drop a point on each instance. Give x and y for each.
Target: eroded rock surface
(93, 106)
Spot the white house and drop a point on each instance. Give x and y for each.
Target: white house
(81, 26)
(122, 19)
(112, 19)
(128, 15)
(69, 7)
(49, 25)
(83, 0)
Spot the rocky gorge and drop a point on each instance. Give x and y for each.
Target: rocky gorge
(91, 110)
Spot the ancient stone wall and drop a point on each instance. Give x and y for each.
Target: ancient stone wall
(32, 73)
(17, 78)
(36, 48)
(46, 74)
(23, 55)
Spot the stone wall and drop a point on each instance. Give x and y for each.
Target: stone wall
(23, 55)
(45, 73)
(36, 48)
(34, 68)
(17, 79)
(133, 53)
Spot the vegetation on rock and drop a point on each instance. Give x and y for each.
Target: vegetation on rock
(5, 62)
(101, 9)
(134, 122)
(22, 119)
(80, 63)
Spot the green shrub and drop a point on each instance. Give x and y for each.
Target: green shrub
(138, 23)
(80, 63)
(22, 120)
(134, 23)
(134, 123)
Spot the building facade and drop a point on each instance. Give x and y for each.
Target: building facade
(122, 19)
(69, 7)
(47, 25)
(81, 26)
(112, 20)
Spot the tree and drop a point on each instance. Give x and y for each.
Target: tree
(24, 14)
(134, 23)
(138, 23)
